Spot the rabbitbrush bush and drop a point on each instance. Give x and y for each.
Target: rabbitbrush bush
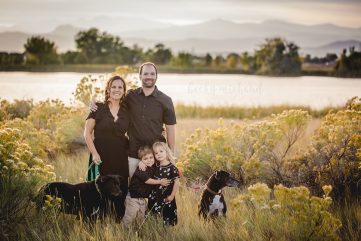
(293, 214)
(257, 151)
(21, 173)
(335, 153)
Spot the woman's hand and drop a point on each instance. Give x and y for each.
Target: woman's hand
(170, 198)
(164, 182)
(96, 158)
(142, 166)
(92, 106)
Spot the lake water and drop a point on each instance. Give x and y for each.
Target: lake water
(201, 89)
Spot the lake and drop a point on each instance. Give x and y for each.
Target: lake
(201, 89)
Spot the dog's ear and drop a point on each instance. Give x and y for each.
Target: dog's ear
(103, 179)
(217, 174)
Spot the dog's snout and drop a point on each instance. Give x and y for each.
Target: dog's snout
(231, 182)
(116, 193)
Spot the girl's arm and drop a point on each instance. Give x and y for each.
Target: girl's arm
(174, 191)
(164, 182)
(88, 131)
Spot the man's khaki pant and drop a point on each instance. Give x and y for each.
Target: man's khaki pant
(133, 165)
(134, 209)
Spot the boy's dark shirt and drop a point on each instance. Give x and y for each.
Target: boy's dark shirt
(137, 187)
(147, 115)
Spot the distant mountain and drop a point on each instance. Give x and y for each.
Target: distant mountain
(13, 41)
(302, 35)
(119, 24)
(63, 36)
(215, 36)
(334, 47)
(201, 46)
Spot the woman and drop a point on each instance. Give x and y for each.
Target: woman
(109, 148)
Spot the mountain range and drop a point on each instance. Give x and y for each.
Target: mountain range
(215, 36)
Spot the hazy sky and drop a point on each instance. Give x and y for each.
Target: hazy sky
(54, 12)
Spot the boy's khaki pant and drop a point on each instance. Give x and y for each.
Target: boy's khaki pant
(133, 165)
(134, 208)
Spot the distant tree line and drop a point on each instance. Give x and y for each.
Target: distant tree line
(349, 64)
(329, 59)
(275, 56)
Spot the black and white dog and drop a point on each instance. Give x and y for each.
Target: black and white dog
(94, 199)
(212, 202)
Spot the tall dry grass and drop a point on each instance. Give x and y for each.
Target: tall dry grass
(240, 223)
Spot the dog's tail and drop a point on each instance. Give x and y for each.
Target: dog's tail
(39, 198)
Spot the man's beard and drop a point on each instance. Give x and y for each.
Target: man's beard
(148, 84)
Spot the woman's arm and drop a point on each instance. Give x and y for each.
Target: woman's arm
(174, 190)
(88, 131)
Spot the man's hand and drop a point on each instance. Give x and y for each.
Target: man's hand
(92, 106)
(164, 182)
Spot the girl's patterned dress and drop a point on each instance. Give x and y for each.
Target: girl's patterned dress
(157, 203)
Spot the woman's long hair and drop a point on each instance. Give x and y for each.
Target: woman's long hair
(168, 152)
(109, 85)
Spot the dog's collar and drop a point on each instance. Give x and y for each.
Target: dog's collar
(213, 192)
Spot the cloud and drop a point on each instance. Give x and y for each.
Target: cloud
(344, 12)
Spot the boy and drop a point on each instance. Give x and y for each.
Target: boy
(140, 187)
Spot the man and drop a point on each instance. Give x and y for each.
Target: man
(149, 109)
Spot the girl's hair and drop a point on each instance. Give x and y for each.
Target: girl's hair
(109, 85)
(168, 152)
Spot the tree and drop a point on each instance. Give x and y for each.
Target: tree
(232, 60)
(160, 54)
(208, 60)
(349, 65)
(39, 50)
(278, 57)
(11, 58)
(248, 62)
(183, 59)
(218, 60)
(102, 47)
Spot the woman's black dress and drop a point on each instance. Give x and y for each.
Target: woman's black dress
(110, 141)
(112, 146)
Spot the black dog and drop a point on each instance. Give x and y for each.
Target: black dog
(212, 202)
(92, 199)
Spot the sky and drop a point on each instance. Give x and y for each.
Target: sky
(50, 13)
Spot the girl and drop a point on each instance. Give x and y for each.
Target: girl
(162, 199)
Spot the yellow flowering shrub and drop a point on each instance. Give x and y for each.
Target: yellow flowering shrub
(40, 141)
(91, 88)
(69, 128)
(334, 155)
(52, 203)
(292, 214)
(42, 113)
(254, 151)
(17, 159)
(16, 109)
(21, 173)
